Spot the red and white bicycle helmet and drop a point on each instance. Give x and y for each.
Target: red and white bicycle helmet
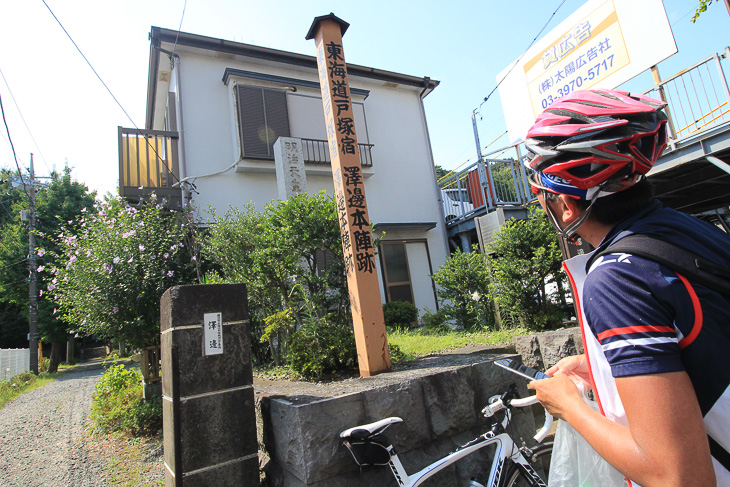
(592, 143)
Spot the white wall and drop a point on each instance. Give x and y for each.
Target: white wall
(401, 188)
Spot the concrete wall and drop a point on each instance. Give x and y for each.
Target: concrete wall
(441, 411)
(299, 434)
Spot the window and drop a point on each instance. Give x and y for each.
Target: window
(395, 272)
(262, 119)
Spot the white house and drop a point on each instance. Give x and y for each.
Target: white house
(216, 107)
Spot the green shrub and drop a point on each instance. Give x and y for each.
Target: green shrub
(463, 283)
(400, 314)
(434, 322)
(322, 347)
(117, 404)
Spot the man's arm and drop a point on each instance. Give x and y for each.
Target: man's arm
(665, 444)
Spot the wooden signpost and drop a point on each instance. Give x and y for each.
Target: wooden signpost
(357, 240)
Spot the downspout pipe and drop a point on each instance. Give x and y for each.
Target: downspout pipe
(187, 197)
(426, 87)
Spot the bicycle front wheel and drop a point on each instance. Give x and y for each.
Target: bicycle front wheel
(539, 460)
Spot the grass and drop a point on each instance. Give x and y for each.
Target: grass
(131, 465)
(20, 383)
(416, 344)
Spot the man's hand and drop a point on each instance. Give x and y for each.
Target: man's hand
(559, 395)
(576, 368)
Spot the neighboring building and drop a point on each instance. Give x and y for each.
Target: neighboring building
(216, 109)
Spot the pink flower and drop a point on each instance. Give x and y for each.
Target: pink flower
(165, 255)
(170, 273)
(40, 268)
(130, 260)
(41, 252)
(141, 248)
(115, 260)
(115, 310)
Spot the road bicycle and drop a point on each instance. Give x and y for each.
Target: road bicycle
(512, 465)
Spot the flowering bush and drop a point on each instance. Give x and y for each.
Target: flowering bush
(112, 273)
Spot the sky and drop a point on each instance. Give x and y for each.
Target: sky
(58, 109)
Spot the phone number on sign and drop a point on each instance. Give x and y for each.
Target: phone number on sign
(570, 86)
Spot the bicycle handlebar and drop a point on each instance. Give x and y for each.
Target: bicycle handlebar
(496, 404)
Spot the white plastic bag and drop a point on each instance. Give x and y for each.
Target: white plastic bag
(575, 463)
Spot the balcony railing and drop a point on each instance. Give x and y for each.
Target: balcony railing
(483, 186)
(698, 97)
(318, 152)
(148, 163)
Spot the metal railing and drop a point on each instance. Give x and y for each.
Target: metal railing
(148, 162)
(485, 185)
(698, 98)
(318, 152)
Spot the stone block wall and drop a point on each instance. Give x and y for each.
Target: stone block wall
(543, 350)
(441, 411)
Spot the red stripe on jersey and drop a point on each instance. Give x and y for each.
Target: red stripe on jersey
(687, 341)
(634, 329)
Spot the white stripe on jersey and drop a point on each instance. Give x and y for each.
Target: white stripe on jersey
(637, 342)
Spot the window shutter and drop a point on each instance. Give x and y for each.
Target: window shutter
(277, 117)
(262, 118)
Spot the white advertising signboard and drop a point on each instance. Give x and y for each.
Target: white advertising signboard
(602, 45)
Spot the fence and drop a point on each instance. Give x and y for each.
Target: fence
(485, 185)
(698, 97)
(13, 361)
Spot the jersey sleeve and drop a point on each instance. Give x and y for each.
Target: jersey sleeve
(629, 304)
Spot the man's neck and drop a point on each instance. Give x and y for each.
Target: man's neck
(593, 232)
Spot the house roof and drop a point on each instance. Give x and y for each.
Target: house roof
(159, 35)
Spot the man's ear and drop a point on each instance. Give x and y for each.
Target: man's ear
(570, 209)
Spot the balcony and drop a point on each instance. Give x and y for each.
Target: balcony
(317, 152)
(317, 160)
(148, 163)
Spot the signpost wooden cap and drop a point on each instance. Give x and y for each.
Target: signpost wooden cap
(315, 25)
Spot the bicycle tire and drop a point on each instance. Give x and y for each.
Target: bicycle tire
(540, 460)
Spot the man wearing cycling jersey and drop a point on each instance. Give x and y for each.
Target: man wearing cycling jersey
(657, 344)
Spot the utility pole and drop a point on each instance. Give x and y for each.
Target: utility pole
(33, 291)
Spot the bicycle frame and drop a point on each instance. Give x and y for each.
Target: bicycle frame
(497, 435)
(505, 449)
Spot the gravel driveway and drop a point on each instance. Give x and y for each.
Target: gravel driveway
(43, 437)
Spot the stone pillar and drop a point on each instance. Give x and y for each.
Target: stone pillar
(209, 419)
(70, 351)
(291, 177)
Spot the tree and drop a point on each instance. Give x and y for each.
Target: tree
(58, 205)
(463, 281)
(113, 271)
(441, 172)
(702, 8)
(289, 256)
(525, 258)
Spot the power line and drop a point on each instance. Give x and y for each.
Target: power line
(24, 122)
(87, 61)
(107, 88)
(10, 139)
(178, 31)
(521, 56)
(14, 263)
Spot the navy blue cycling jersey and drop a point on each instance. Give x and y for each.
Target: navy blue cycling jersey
(650, 320)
